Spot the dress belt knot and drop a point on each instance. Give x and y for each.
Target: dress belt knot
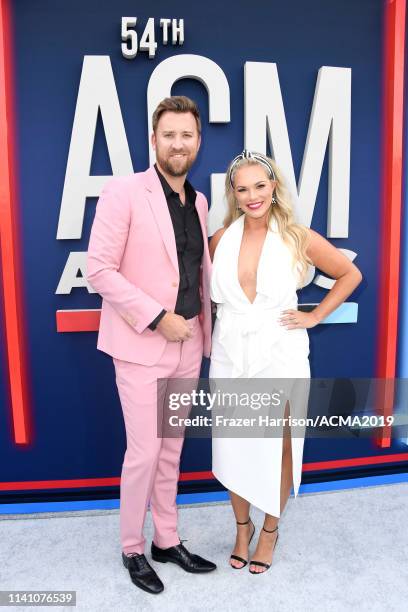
(257, 323)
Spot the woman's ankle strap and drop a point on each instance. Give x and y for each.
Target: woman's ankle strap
(269, 531)
(246, 522)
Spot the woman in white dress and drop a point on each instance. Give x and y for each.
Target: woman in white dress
(260, 258)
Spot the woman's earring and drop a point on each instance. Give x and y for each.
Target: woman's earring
(274, 200)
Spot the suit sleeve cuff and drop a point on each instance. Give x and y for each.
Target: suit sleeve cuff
(157, 320)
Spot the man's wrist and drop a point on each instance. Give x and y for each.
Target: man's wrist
(157, 320)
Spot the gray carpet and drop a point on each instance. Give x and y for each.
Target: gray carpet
(336, 552)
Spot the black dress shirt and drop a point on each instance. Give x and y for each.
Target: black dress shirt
(190, 247)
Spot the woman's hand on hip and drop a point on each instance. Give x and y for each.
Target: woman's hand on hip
(296, 319)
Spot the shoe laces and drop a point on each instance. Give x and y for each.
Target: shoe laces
(182, 545)
(140, 558)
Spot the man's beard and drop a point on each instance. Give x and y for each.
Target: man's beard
(175, 170)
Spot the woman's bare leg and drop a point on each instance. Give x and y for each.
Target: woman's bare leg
(266, 541)
(287, 469)
(241, 511)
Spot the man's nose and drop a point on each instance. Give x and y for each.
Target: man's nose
(178, 142)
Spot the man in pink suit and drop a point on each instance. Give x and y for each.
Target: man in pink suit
(148, 258)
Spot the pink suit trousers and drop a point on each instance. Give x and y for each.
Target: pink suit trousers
(150, 469)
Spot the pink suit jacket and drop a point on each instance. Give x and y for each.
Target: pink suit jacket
(132, 263)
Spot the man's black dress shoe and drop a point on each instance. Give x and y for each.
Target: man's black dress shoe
(180, 555)
(142, 574)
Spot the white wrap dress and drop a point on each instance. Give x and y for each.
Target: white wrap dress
(248, 342)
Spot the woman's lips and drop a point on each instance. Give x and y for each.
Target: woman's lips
(255, 205)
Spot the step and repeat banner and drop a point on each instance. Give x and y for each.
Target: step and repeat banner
(300, 80)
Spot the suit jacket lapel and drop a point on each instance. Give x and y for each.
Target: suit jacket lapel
(158, 204)
(206, 258)
(160, 209)
(201, 216)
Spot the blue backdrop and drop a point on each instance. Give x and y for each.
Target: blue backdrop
(77, 421)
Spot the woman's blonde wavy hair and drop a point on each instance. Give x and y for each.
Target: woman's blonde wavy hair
(293, 234)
